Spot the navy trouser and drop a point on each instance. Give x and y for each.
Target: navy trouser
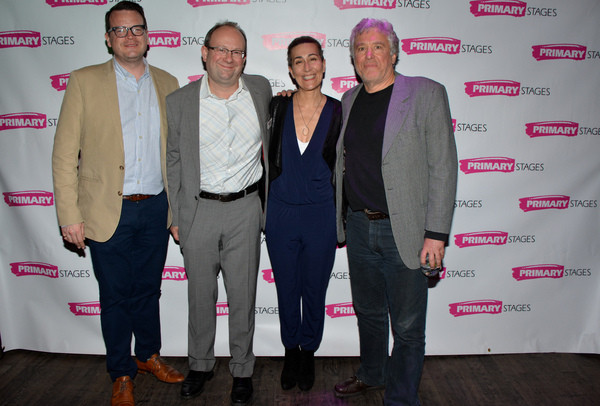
(301, 240)
(129, 269)
(384, 290)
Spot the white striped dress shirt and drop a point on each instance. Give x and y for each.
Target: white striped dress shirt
(230, 142)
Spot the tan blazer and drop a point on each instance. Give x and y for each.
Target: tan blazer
(88, 161)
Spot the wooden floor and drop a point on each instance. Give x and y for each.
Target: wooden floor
(34, 378)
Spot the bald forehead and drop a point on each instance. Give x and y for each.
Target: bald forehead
(228, 33)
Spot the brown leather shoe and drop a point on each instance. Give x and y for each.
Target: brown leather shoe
(160, 369)
(352, 387)
(122, 392)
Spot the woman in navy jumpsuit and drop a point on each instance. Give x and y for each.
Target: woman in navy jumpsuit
(300, 222)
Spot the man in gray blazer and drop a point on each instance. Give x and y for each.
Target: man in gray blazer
(217, 132)
(396, 169)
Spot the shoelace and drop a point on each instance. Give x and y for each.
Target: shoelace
(123, 386)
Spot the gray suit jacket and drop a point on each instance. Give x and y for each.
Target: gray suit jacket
(419, 163)
(183, 146)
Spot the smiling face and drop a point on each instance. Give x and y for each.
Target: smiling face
(307, 66)
(373, 61)
(129, 49)
(224, 71)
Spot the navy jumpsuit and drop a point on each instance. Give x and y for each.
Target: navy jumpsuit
(301, 233)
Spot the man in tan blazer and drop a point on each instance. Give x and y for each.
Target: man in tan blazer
(109, 170)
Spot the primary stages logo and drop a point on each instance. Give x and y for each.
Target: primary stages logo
(475, 307)
(559, 202)
(456, 273)
(34, 268)
(268, 275)
(490, 164)
(20, 38)
(59, 82)
(492, 88)
(222, 309)
(480, 238)
(442, 45)
(343, 83)
(85, 308)
(340, 310)
(29, 198)
(61, 3)
(349, 4)
(164, 38)
(552, 128)
(174, 273)
(514, 8)
(281, 40)
(551, 271)
(194, 78)
(200, 3)
(559, 51)
(32, 39)
(22, 120)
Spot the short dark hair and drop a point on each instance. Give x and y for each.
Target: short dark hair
(124, 5)
(225, 23)
(305, 39)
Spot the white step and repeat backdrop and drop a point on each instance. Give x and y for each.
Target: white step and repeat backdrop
(523, 78)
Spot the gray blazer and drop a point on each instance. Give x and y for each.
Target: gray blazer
(419, 163)
(183, 146)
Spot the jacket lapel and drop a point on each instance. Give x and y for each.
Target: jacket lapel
(397, 111)
(109, 83)
(192, 104)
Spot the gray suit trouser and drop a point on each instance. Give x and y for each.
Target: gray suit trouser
(224, 237)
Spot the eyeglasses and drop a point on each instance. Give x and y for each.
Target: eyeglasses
(224, 51)
(121, 32)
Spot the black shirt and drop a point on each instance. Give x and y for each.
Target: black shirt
(363, 142)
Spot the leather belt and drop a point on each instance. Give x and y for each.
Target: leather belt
(229, 197)
(375, 215)
(137, 198)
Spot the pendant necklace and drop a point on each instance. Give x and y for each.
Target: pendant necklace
(305, 129)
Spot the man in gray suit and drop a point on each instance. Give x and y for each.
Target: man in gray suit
(396, 169)
(217, 131)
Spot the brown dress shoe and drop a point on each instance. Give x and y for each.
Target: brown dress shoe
(352, 387)
(122, 392)
(160, 369)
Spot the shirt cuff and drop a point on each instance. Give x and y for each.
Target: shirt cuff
(436, 236)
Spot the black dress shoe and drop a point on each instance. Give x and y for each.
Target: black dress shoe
(291, 367)
(241, 392)
(306, 375)
(193, 385)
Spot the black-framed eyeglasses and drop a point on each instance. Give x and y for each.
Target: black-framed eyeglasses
(224, 51)
(121, 32)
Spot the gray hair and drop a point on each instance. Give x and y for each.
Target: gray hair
(384, 27)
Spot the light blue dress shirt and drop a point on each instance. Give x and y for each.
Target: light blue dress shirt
(140, 121)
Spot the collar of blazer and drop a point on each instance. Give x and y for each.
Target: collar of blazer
(109, 83)
(397, 111)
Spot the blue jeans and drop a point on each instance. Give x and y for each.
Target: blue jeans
(384, 290)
